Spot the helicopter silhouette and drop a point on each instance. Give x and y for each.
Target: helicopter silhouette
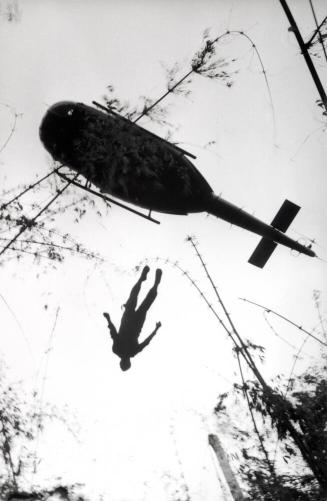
(127, 161)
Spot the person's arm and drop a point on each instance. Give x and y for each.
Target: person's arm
(112, 328)
(149, 338)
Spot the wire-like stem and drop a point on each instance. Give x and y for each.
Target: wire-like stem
(245, 352)
(24, 251)
(32, 221)
(321, 40)
(205, 299)
(171, 89)
(196, 71)
(284, 418)
(246, 395)
(18, 325)
(12, 130)
(42, 391)
(316, 295)
(264, 313)
(296, 358)
(309, 42)
(57, 246)
(299, 327)
(241, 33)
(222, 323)
(30, 187)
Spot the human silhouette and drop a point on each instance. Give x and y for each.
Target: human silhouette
(125, 342)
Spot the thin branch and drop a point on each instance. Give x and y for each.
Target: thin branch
(10, 135)
(47, 358)
(321, 40)
(270, 393)
(309, 42)
(205, 299)
(169, 91)
(30, 187)
(264, 74)
(296, 358)
(316, 296)
(19, 325)
(76, 247)
(195, 69)
(193, 282)
(262, 445)
(245, 352)
(308, 136)
(24, 251)
(264, 313)
(269, 310)
(13, 127)
(239, 345)
(31, 222)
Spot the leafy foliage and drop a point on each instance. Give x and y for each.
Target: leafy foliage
(206, 63)
(39, 237)
(21, 422)
(157, 114)
(306, 407)
(322, 106)
(319, 40)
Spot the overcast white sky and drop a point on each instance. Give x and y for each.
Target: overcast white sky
(140, 424)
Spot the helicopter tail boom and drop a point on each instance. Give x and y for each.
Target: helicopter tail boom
(272, 234)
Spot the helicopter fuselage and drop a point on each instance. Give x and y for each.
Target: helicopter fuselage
(130, 163)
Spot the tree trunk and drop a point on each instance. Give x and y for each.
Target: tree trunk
(225, 466)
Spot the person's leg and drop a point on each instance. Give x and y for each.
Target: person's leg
(150, 297)
(132, 300)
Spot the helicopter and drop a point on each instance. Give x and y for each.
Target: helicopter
(129, 162)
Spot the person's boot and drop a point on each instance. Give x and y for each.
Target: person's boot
(145, 272)
(158, 276)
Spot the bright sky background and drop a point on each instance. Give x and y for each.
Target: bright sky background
(153, 420)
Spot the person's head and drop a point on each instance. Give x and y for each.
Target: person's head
(125, 363)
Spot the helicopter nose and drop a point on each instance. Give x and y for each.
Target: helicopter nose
(56, 114)
(62, 109)
(55, 125)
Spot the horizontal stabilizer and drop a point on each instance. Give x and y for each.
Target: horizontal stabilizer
(281, 222)
(262, 252)
(285, 216)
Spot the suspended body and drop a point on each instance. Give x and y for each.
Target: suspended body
(128, 162)
(126, 341)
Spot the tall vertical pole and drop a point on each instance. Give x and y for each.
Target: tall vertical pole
(231, 480)
(305, 53)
